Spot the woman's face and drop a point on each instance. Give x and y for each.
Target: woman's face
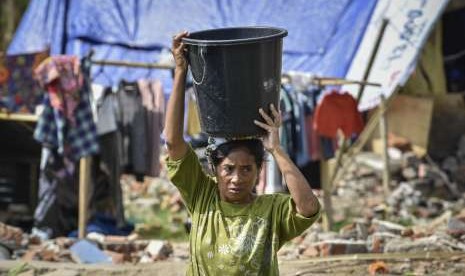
(237, 175)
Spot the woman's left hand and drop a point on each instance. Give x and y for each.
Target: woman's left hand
(272, 123)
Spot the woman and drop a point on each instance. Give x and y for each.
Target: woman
(234, 231)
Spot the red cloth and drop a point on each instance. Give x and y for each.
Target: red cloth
(337, 111)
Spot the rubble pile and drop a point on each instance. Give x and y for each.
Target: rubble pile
(154, 207)
(424, 211)
(97, 248)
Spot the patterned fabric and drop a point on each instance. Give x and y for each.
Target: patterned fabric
(77, 141)
(62, 78)
(233, 239)
(20, 92)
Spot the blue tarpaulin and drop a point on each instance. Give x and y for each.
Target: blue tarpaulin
(323, 34)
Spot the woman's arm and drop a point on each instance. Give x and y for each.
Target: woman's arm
(306, 202)
(174, 122)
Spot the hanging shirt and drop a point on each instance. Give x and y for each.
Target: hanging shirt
(233, 239)
(153, 101)
(133, 128)
(338, 111)
(74, 141)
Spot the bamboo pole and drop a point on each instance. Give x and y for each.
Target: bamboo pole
(84, 177)
(327, 204)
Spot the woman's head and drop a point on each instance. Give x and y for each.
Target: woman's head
(237, 164)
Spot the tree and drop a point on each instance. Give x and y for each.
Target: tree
(11, 12)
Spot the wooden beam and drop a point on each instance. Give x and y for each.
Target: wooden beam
(18, 117)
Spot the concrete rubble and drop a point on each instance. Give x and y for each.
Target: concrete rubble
(424, 212)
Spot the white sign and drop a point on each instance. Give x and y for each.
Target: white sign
(409, 24)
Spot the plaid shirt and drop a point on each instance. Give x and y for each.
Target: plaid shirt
(72, 140)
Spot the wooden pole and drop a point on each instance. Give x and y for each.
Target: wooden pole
(366, 74)
(327, 204)
(383, 131)
(84, 177)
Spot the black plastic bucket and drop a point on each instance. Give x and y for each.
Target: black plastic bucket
(235, 71)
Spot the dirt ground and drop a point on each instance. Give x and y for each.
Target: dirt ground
(453, 265)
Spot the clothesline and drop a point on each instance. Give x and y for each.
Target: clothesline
(327, 81)
(338, 81)
(133, 64)
(90, 54)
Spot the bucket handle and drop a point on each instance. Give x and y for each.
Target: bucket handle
(196, 82)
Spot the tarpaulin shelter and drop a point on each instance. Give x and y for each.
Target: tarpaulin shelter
(323, 35)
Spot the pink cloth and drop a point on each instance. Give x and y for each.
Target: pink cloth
(62, 78)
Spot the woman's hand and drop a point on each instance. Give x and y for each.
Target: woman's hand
(271, 141)
(178, 49)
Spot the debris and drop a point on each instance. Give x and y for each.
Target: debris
(377, 267)
(86, 252)
(456, 227)
(157, 250)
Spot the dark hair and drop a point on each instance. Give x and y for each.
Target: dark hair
(253, 146)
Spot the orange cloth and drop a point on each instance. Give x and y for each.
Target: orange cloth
(337, 111)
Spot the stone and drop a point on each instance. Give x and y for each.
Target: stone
(311, 252)
(456, 227)
(116, 258)
(327, 236)
(338, 247)
(386, 226)
(97, 237)
(427, 244)
(159, 249)
(409, 173)
(377, 241)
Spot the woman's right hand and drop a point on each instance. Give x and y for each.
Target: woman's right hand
(178, 49)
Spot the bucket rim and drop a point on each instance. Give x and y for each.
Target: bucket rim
(199, 42)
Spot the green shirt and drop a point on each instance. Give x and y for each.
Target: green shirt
(233, 239)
